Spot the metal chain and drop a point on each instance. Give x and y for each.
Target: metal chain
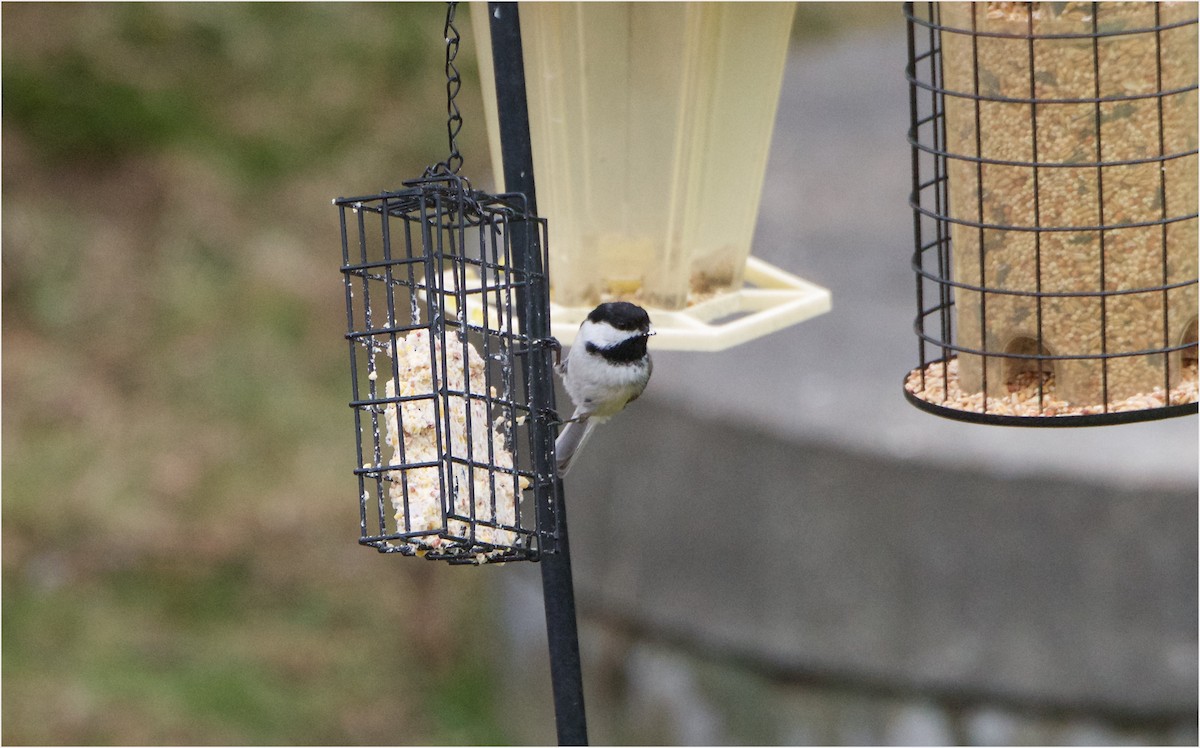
(453, 83)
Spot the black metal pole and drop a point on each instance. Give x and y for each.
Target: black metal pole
(558, 590)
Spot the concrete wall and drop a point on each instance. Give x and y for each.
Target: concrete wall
(742, 588)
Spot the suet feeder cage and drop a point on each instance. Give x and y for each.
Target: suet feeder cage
(650, 125)
(1054, 190)
(444, 285)
(447, 309)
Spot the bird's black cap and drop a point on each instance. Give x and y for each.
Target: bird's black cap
(621, 315)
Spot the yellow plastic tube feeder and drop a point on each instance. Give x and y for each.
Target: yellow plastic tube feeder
(650, 126)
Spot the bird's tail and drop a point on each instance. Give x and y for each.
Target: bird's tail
(572, 436)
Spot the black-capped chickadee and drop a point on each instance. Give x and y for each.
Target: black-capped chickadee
(606, 369)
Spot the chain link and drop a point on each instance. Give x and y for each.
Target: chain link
(453, 83)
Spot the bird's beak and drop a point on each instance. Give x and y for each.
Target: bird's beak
(649, 332)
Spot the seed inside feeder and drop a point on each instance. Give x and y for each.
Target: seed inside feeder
(1072, 233)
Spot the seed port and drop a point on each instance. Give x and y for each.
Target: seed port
(1187, 350)
(1027, 366)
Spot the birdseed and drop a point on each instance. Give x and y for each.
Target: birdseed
(1033, 393)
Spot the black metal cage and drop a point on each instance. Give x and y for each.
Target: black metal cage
(440, 281)
(1054, 195)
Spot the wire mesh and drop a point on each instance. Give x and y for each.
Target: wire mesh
(445, 381)
(1054, 196)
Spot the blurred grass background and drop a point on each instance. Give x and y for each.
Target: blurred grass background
(179, 522)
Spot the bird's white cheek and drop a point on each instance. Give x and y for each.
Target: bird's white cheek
(602, 335)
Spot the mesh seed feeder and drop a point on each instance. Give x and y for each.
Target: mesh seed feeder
(444, 286)
(1055, 210)
(650, 125)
